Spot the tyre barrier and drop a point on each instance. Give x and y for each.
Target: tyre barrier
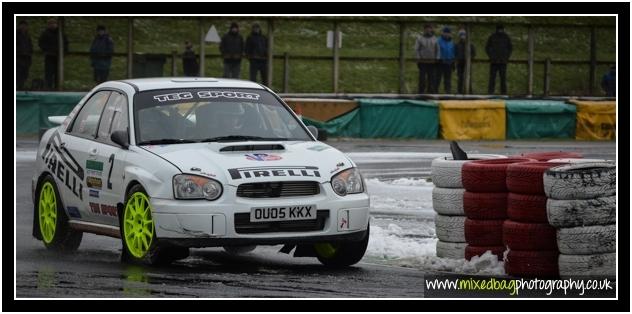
(532, 263)
(547, 156)
(484, 232)
(448, 202)
(527, 208)
(587, 240)
(482, 206)
(446, 172)
(577, 160)
(602, 265)
(580, 181)
(575, 213)
(526, 177)
(451, 249)
(522, 236)
(487, 175)
(471, 251)
(450, 228)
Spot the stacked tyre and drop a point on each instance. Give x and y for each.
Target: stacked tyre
(582, 206)
(485, 205)
(527, 234)
(447, 201)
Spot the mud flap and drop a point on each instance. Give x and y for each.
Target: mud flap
(287, 248)
(305, 250)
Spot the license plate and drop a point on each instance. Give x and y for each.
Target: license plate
(283, 213)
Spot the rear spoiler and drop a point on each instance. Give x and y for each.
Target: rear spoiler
(57, 119)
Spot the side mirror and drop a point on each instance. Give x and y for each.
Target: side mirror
(121, 138)
(312, 129)
(322, 135)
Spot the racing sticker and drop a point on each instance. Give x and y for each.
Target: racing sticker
(63, 165)
(263, 157)
(94, 193)
(206, 95)
(94, 168)
(94, 182)
(259, 172)
(73, 212)
(103, 209)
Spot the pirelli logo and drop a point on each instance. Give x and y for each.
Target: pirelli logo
(260, 172)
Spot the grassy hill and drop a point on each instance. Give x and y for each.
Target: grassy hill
(306, 36)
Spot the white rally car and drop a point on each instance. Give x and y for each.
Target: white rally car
(167, 164)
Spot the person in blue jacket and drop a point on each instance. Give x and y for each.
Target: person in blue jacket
(446, 59)
(101, 54)
(608, 83)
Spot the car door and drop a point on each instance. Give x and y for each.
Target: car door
(106, 159)
(79, 139)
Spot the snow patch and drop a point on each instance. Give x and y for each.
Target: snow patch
(486, 264)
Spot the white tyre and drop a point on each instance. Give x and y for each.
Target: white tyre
(446, 172)
(587, 240)
(574, 213)
(451, 250)
(581, 181)
(448, 201)
(602, 265)
(450, 228)
(577, 160)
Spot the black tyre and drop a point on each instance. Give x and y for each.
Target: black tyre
(138, 235)
(50, 223)
(341, 254)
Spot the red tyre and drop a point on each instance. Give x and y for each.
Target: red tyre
(528, 236)
(485, 205)
(546, 156)
(532, 264)
(527, 177)
(487, 175)
(527, 208)
(483, 232)
(471, 251)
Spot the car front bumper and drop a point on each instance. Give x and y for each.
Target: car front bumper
(202, 223)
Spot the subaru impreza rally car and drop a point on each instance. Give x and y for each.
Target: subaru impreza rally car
(166, 164)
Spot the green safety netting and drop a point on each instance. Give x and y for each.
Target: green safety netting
(347, 125)
(540, 119)
(33, 109)
(398, 118)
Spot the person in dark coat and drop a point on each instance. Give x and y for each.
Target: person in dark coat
(427, 53)
(24, 51)
(609, 83)
(189, 61)
(460, 62)
(101, 52)
(498, 50)
(232, 47)
(49, 43)
(257, 53)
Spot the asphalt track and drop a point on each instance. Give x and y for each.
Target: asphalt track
(95, 271)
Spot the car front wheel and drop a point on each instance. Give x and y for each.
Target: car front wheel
(140, 244)
(341, 254)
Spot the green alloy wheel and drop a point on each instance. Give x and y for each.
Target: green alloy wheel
(47, 212)
(138, 225)
(326, 250)
(342, 254)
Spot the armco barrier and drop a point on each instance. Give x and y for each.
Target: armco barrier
(534, 119)
(472, 119)
(596, 120)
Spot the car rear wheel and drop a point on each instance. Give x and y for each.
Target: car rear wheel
(140, 244)
(341, 254)
(51, 221)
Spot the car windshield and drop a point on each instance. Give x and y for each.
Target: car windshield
(208, 115)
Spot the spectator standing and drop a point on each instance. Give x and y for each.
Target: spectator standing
(257, 53)
(460, 61)
(24, 51)
(189, 61)
(446, 56)
(232, 48)
(609, 83)
(498, 50)
(427, 53)
(101, 52)
(49, 43)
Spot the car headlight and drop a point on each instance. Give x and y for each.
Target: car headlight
(347, 182)
(186, 186)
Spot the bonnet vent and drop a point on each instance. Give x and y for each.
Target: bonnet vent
(252, 147)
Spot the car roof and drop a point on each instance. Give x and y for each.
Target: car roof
(144, 84)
